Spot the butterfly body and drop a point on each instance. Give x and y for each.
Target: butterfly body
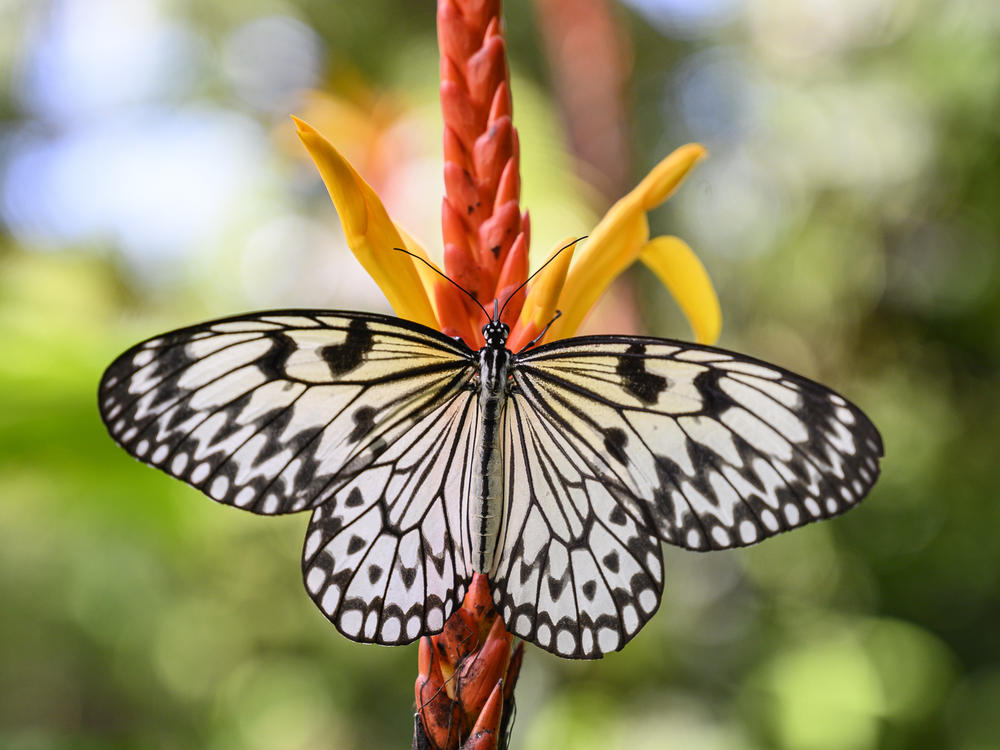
(557, 471)
(486, 493)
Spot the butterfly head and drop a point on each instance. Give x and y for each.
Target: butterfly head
(495, 333)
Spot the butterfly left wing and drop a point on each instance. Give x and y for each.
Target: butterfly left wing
(271, 412)
(703, 448)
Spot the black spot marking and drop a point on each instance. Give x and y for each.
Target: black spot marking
(378, 447)
(324, 562)
(704, 460)
(273, 364)
(496, 251)
(618, 516)
(342, 358)
(329, 526)
(374, 573)
(589, 589)
(645, 386)
(615, 441)
(409, 575)
(354, 498)
(663, 502)
(555, 588)
(611, 562)
(438, 562)
(364, 423)
(355, 545)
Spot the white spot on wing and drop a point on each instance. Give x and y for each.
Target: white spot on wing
(720, 536)
(219, 488)
(315, 580)
(351, 622)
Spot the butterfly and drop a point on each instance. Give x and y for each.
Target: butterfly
(556, 471)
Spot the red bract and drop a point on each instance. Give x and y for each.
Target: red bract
(485, 234)
(462, 672)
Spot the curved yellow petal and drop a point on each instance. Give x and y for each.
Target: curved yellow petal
(427, 277)
(617, 239)
(676, 265)
(369, 231)
(542, 300)
(665, 177)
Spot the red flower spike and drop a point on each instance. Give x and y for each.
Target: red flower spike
(458, 113)
(515, 268)
(485, 70)
(509, 187)
(456, 39)
(449, 72)
(478, 675)
(501, 105)
(497, 235)
(461, 189)
(441, 717)
(454, 229)
(514, 271)
(493, 24)
(463, 269)
(485, 733)
(479, 138)
(513, 670)
(454, 150)
(492, 151)
(459, 638)
(485, 251)
(478, 598)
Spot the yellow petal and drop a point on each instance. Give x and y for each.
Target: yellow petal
(611, 248)
(617, 239)
(427, 277)
(369, 231)
(665, 177)
(676, 265)
(542, 299)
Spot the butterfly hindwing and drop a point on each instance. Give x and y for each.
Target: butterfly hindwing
(271, 411)
(577, 572)
(382, 559)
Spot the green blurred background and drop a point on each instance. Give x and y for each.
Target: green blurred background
(849, 215)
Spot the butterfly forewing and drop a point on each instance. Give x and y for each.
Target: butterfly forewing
(271, 412)
(715, 449)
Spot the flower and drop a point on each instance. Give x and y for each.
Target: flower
(572, 283)
(466, 673)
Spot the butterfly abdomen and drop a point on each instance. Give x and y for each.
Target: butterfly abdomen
(486, 495)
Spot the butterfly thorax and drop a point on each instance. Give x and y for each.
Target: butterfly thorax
(486, 491)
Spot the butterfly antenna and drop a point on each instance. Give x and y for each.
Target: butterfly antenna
(554, 256)
(540, 336)
(430, 265)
